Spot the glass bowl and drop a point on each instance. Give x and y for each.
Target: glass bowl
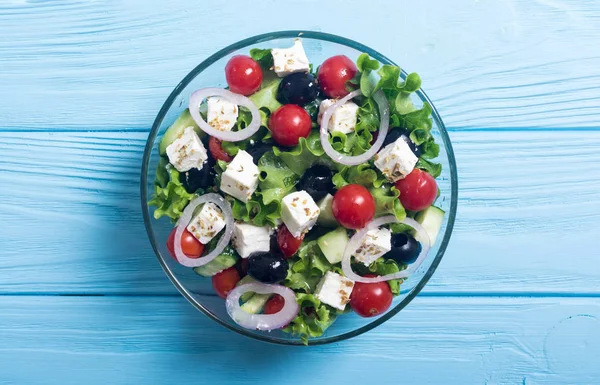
(198, 290)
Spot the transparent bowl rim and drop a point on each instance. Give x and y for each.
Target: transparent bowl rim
(263, 38)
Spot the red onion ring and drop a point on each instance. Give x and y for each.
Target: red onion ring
(229, 136)
(384, 114)
(262, 321)
(356, 240)
(185, 219)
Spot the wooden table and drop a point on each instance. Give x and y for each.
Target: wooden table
(515, 300)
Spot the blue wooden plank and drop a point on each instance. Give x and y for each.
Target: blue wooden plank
(527, 219)
(74, 340)
(70, 64)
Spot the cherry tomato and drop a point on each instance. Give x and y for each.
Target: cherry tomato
(190, 246)
(274, 304)
(216, 150)
(353, 206)
(334, 73)
(289, 123)
(225, 281)
(371, 299)
(243, 75)
(417, 191)
(286, 241)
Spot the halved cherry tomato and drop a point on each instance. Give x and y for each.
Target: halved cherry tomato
(274, 304)
(243, 75)
(334, 73)
(417, 191)
(286, 241)
(353, 206)
(190, 246)
(371, 299)
(289, 123)
(216, 150)
(225, 281)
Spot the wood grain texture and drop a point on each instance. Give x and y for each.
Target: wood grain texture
(486, 64)
(433, 341)
(527, 219)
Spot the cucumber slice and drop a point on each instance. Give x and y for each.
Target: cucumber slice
(184, 121)
(223, 261)
(333, 244)
(256, 303)
(247, 279)
(267, 95)
(326, 217)
(431, 219)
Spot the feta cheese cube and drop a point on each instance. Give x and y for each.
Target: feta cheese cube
(377, 242)
(299, 212)
(240, 179)
(334, 290)
(207, 224)
(248, 239)
(221, 113)
(396, 160)
(290, 60)
(343, 118)
(187, 151)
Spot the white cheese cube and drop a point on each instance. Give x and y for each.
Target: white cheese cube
(334, 290)
(377, 242)
(240, 179)
(248, 239)
(207, 224)
(396, 160)
(221, 113)
(299, 212)
(187, 151)
(343, 119)
(290, 60)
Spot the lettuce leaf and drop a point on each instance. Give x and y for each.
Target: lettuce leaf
(170, 199)
(313, 318)
(276, 179)
(307, 267)
(382, 266)
(387, 202)
(363, 174)
(263, 57)
(435, 169)
(306, 154)
(255, 211)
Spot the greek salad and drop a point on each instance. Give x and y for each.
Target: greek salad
(303, 190)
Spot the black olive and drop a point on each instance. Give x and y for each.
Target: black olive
(396, 133)
(317, 182)
(195, 179)
(267, 267)
(258, 149)
(405, 249)
(300, 88)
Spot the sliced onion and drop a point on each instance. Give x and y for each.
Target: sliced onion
(384, 115)
(356, 240)
(185, 219)
(262, 321)
(229, 136)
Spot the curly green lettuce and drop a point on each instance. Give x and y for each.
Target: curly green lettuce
(313, 318)
(382, 266)
(276, 179)
(307, 267)
(170, 197)
(306, 154)
(263, 57)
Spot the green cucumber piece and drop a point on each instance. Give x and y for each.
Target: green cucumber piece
(247, 279)
(431, 219)
(267, 95)
(223, 261)
(184, 121)
(326, 217)
(333, 244)
(256, 303)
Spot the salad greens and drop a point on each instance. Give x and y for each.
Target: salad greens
(170, 197)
